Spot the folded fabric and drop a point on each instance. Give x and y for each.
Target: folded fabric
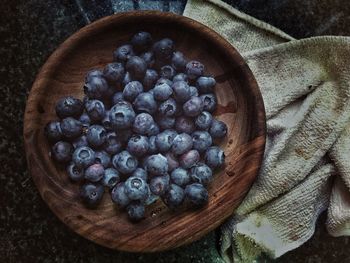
(305, 86)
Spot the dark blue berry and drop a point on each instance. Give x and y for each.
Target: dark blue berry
(163, 49)
(118, 96)
(123, 53)
(71, 128)
(91, 194)
(180, 77)
(182, 143)
(85, 120)
(110, 178)
(164, 140)
(94, 173)
(167, 72)
(124, 162)
(180, 176)
(93, 73)
(53, 131)
(193, 107)
(172, 161)
(83, 156)
(178, 61)
(157, 164)
(95, 109)
(194, 69)
(96, 87)
(165, 122)
(174, 197)
(152, 145)
(194, 91)
(209, 101)
(196, 194)
(136, 188)
(203, 120)
(74, 172)
(112, 145)
(153, 130)
(80, 141)
(69, 107)
(184, 124)
(201, 173)
(140, 173)
(218, 129)
(103, 158)
(145, 102)
(181, 91)
(188, 159)
(159, 185)
(114, 73)
(150, 78)
(138, 145)
(162, 92)
(141, 41)
(205, 84)
(119, 196)
(214, 157)
(96, 135)
(148, 57)
(142, 123)
(136, 211)
(136, 67)
(201, 140)
(121, 115)
(132, 90)
(168, 108)
(163, 80)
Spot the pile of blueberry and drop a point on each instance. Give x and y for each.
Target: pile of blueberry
(143, 130)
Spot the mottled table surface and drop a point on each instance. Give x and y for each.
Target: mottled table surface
(29, 31)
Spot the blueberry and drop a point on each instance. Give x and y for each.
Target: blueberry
(124, 162)
(138, 145)
(74, 172)
(209, 101)
(71, 128)
(182, 143)
(132, 90)
(123, 53)
(112, 145)
(194, 91)
(163, 80)
(94, 173)
(93, 73)
(159, 185)
(188, 159)
(201, 140)
(214, 157)
(136, 67)
(95, 109)
(118, 96)
(196, 194)
(119, 196)
(163, 49)
(180, 77)
(172, 161)
(96, 135)
(142, 123)
(153, 130)
(150, 78)
(165, 122)
(69, 107)
(53, 131)
(83, 156)
(168, 108)
(127, 78)
(203, 120)
(181, 91)
(140, 173)
(180, 176)
(201, 173)
(103, 158)
(121, 115)
(174, 197)
(85, 120)
(136, 188)
(193, 107)
(178, 61)
(184, 124)
(152, 145)
(194, 69)
(141, 41)
(114, 73)
(205, 84)
(164, 140)
(162, 92)
(110, 178)
(167, 72)
(80, 141)
(91, 194)
(96, 87)
(218, 129)
(145, 102)
(136, 211)
(148, 57)
(157, 164)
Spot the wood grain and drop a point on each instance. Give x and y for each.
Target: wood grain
(240, 106)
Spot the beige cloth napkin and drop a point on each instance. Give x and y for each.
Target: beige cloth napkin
(305, 85)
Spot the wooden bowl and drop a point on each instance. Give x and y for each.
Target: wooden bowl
(240, 106)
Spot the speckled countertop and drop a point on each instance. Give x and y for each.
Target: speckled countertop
(29, 31)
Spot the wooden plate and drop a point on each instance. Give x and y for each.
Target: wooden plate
(240, 106)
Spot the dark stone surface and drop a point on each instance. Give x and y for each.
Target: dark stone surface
(29, 31)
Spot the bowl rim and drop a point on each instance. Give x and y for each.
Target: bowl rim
(112, 20)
